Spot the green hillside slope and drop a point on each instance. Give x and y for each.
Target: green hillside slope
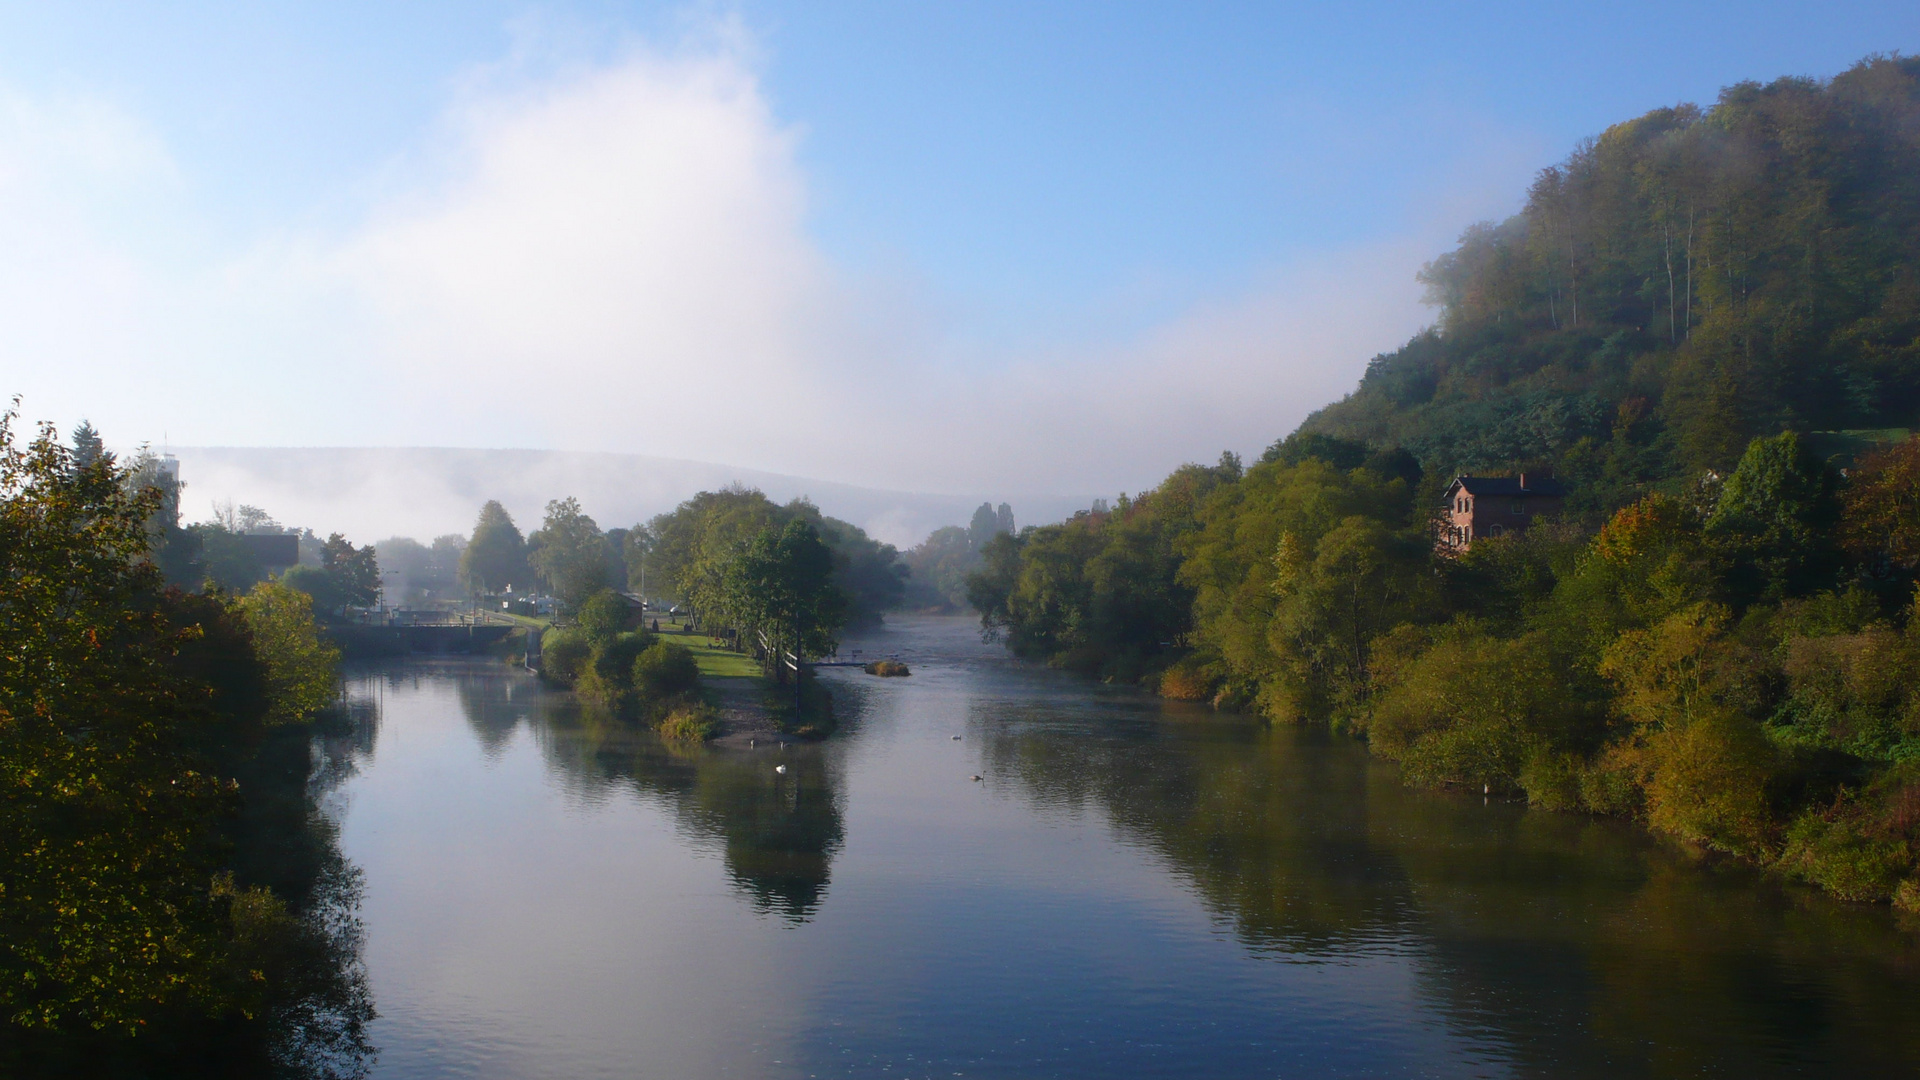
(1686, 281)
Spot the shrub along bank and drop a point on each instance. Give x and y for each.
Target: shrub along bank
(1731, 663)
(631, 673)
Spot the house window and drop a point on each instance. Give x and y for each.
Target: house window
(1519, 506)
(1496, 530)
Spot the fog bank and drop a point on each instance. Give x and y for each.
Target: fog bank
(373, 493)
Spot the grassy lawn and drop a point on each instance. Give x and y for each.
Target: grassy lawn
(715, 663)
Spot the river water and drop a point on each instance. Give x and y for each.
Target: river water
(1130, 889)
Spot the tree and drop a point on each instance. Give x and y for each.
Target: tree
(1880, 518)
(1779, 511)
(142, 783)
(104, 822)
(299, 666)
(602, 617)
(989, 588)
(1289, 620)
(347, 577)
(938, 568)
(867, 571)
(571, 556)
(779, 588)
(665, 671)
(984, 526)
(684, 550)
(1360, 580)
(496, 556)
(87, 445)
(355, 571)
(225, 559)
(1469, 708)
(1649, 561)
(1737, 271)
(1707, 766)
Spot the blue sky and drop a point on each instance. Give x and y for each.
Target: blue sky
(1100, 238)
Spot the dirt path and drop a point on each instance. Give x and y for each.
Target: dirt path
(743, 713)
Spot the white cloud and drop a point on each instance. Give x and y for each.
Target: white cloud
(74, 177)
(620, 261)
(616, 257)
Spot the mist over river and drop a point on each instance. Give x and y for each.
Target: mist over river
(1131, 888)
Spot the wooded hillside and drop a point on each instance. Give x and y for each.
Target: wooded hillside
(1686, 281)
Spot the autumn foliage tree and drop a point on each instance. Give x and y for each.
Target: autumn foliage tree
(105, 819)
(131, 941)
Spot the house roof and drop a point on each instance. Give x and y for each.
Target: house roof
(272, 549)
(1499, 486)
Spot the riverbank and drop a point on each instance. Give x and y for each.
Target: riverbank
(745, 718)
(741, 695)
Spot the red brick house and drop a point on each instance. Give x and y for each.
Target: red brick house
(1480, 506)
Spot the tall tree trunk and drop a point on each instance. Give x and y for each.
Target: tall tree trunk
(1573, 277)
(1689, 269)
(1666, 233)
(1553, 308)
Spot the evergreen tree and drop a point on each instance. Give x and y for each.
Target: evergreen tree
(984, 526)
(87, 446)
(496, 556)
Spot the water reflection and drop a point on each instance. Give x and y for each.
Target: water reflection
(1273, 840)
(778, 831)
(1133, 889)
(488, 702)
(1578, 946)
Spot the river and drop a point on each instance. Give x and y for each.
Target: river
(1131, 888)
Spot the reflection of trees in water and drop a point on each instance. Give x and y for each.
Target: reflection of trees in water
(1273, 842)
(778, 833)
(1640, 961)
(488, 701)
(322, 1008)
(1561, 945)
(340, 743)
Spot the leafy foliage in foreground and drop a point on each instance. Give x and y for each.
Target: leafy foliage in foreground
(131, 940)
